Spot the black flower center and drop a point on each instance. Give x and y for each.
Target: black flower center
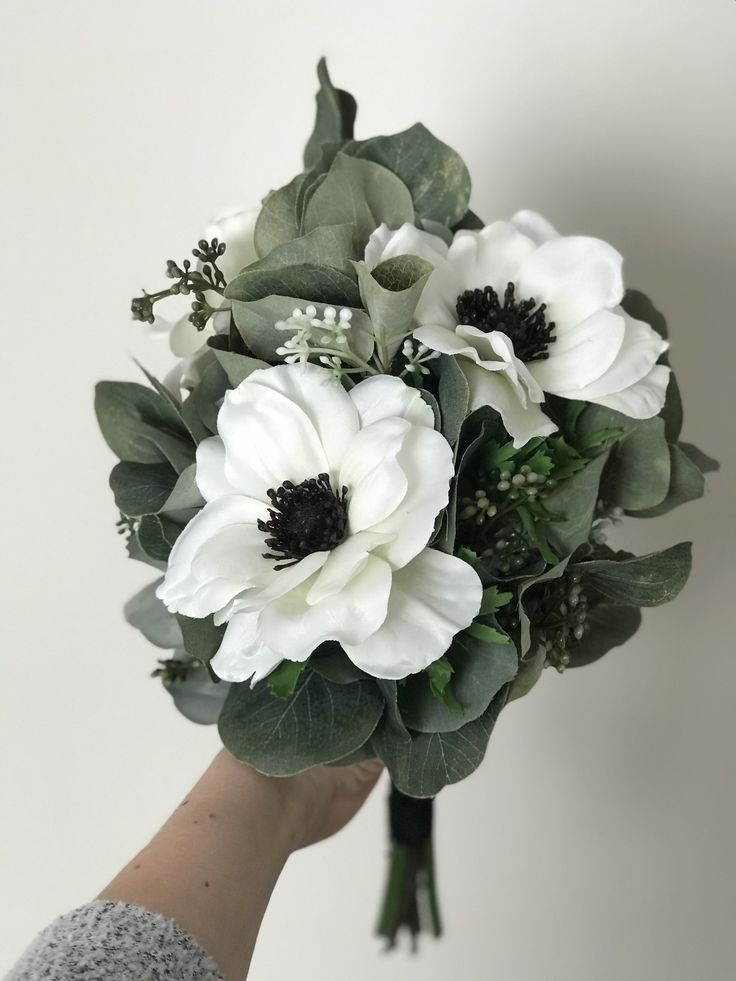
(305, 518)
(523, 322)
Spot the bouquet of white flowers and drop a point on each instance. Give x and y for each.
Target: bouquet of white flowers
(379, 481)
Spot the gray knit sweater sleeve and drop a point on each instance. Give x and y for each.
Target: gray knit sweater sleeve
(114, 942)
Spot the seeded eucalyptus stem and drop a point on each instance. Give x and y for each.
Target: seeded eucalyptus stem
(410, 900)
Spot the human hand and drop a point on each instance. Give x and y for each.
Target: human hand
(323, 799)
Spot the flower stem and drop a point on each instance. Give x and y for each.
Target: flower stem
(410, 900)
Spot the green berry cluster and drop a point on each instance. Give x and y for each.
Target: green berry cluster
(566, 622)
(508, 551)
(502, 490)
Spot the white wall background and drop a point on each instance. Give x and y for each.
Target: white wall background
(596, 842)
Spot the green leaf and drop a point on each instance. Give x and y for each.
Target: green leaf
(331, 661)
(392, 716)
(319, 723)
(479, 669)
(277, 221)
(686, 484)
(141, 488)
(147, 613)
(526, 603)
(598, 439)
(430, 761)
(566, 461)
(328, 245)
(454, 398)
(156, 536)
(439, 673)
(494, 599)
(185, 496)
(537, 528)
(322, 284)
(572, 504)
(437, 178)
(541, 463)
(237, 367)
(638, 476)
(487, 634)
(256, 324)
(704, 463)
(201, 637)
(336, 111)
(198, 697)
(647, 580)
(390, 293)
(140, 426)
(639, 306)
(361, 193)
(607, 627)
(282, 681)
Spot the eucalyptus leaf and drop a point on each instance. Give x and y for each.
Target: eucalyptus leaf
(428, 762)
(327, 245)
(686, 484)
(185, 497)
(322, 284)
(202, 638)
(639, 306)
(525, 606)
(147, 613)
(256, 323)
(572, 504)
(336, 111)
(607, 627)
(198, 697)
(454, 398)
(480, 671)
(390, 293)
(319, 723)
(156, 536)
(331, 661)
(392, 716)
(647, 580)
(140, 426)
(361, 193)
(435, 174)
(704, 463)
(237, 367)
(277, 221)
(638, 476)
(142, 488)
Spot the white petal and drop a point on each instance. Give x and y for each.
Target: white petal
(575, 276)
(343, 563)
(241, 654)
(641, 348)
(644, 398)
(581, 354)
(293, 628)
(281, 583)
(210, 475)
(236, 228)
(489, 257)
(321, 398)
(426, 459)
(375, 482)
(465, 342)
(385, 244)
(522, 418)
(268, 439)
(532, 224)
(382, 396)
(432, 598)
(204, 591)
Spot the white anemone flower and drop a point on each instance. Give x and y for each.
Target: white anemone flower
(319, 507)
(526, 312)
